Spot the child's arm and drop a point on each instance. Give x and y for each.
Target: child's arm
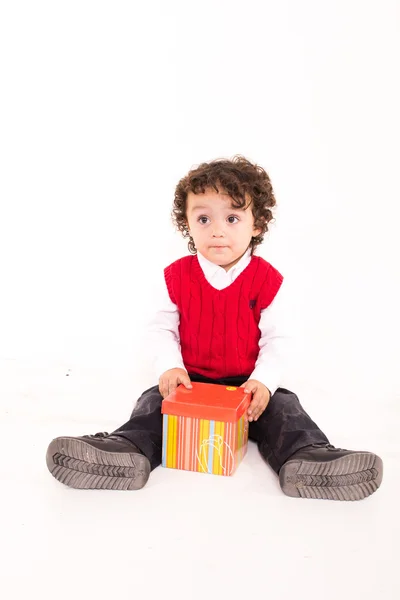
(275, 348)
(275, 342)
(163, 335)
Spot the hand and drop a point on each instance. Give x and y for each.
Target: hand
(261, 397)
(170, 380)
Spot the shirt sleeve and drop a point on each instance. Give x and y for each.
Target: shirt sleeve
(276, 341)
(163, 334)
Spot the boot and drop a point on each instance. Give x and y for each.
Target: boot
(323, 471)
(100, 461)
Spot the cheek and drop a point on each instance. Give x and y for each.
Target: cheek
(195, 230)
(200, 228)
(198, 234)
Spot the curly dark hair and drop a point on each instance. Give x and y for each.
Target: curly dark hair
(235, 177)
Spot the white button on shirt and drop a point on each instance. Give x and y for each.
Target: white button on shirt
(274, 341)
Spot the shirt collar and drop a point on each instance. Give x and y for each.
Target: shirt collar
(210, 269)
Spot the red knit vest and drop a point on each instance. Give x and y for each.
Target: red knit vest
(218, 329)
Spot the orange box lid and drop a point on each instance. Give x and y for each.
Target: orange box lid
(207, 401)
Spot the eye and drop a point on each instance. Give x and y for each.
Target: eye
(203, 219)
(231, 219)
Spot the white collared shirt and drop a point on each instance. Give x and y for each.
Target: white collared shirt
(274, 341)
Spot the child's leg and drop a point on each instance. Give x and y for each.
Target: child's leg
(283, 428)
(144, 428)
(121, 460)
(308, 466)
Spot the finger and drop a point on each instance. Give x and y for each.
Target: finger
(250, 386)
(166, 387)
(172, 385)
(252, 410)
(256, 405)
(253, 406)
(255, 400)
(261, 406)
(259, 397)
(259, 411)
(162, 388)
(186, 381)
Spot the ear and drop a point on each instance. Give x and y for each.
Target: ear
(256, 231)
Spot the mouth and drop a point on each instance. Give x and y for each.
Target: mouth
(218, 247)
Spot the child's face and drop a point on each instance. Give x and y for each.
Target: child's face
(220, 232)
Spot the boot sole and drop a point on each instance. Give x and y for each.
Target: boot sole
(351, 477)
(79, 465)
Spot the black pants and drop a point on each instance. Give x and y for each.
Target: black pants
(282, 429)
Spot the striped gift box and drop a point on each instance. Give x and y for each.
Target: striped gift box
(205, 429)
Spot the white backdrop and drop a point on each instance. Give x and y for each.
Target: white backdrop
(106, 105)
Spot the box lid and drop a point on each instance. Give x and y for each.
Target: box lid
(207, 401)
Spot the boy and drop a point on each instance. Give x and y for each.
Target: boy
(221, 320)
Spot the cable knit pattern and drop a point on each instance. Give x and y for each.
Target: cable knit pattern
(218, 329)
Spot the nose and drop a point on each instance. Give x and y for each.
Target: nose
(218, 231)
